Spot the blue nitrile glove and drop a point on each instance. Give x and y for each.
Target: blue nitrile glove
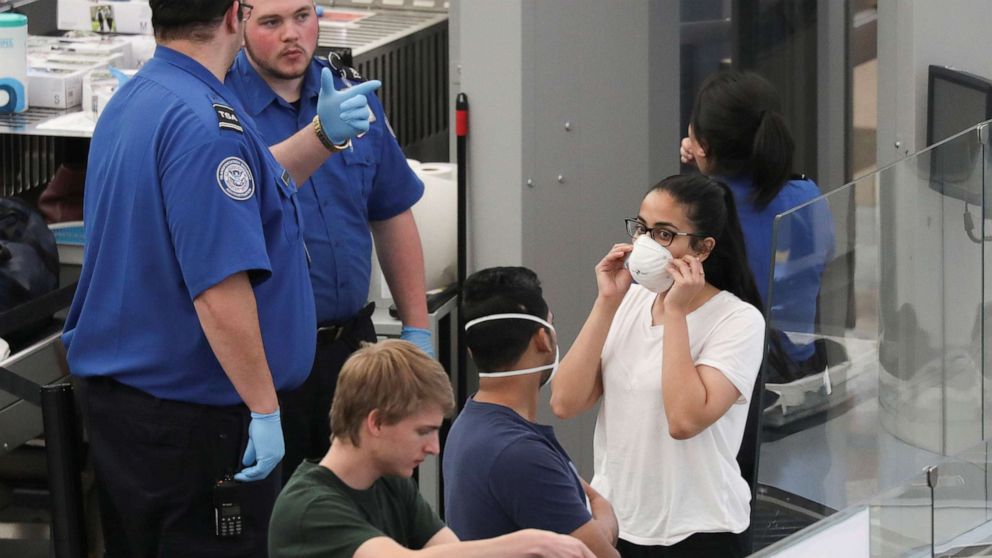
(420, 337)
(320, 11)
(265, 447)
(343, 114)
(121, 76)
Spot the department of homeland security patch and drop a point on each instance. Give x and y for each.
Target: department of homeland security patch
(234, 178)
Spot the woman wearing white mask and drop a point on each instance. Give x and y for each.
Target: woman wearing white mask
(674, 359)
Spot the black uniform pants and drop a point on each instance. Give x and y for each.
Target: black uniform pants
(156, 462)
(304, 411)
(717, 545)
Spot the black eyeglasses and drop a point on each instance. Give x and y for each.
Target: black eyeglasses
(244, 10)
(665, 237)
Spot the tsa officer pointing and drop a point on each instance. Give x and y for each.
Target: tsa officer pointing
(194, 305)
(365, 192)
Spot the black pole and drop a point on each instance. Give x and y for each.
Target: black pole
(461, 132)
(62, 452)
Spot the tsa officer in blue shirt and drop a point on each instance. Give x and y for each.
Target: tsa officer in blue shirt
(194, 305)
(369, 186)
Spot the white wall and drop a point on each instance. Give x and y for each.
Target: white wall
(912, 35)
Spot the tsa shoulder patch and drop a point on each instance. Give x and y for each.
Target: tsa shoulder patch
(226, 118)
(235, 179)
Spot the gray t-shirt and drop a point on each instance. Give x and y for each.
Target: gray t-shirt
(319, 515)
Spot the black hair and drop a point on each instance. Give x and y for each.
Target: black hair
(188, 19)
(737, 119)
(709, 205)
(498, 344)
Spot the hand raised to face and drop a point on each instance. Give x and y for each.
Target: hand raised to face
(687, 272)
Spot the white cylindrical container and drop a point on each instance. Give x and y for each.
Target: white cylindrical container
(13, 63)
(437, 218)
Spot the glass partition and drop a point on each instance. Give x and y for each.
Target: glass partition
(961, 504)
(902, 520)
(895, 523)
(875, 311)
(945, 511)
(804, 543)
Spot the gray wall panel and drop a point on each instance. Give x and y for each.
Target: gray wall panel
(609, 69)
(489, 52)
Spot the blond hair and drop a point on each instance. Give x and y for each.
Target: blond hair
(395, 378)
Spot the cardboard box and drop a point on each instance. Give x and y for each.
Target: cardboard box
(142, 48)
(56, 85)
(81, 59)
(107, 46)
(134, 49)
(105, 17)
(99, 85)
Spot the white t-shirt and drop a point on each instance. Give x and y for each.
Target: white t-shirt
(663, 489)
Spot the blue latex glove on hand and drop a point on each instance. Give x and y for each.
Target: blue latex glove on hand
(343, 114)
(265, 447)
(420, 337)
(121, 76)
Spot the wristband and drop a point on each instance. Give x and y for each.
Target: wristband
(326, 141)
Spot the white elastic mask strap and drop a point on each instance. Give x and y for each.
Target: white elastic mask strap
(493, 317)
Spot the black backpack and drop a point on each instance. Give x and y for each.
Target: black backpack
(29, 258)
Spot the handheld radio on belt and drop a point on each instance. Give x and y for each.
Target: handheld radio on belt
(228, 517)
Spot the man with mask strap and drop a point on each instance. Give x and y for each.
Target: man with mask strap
(503, 472)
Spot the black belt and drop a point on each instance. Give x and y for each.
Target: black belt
(328, 333)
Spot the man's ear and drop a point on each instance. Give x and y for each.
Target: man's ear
(373, 422)
(232, 16)
(542, 340)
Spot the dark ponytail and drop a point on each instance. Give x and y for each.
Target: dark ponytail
(737, 118)
(710, 207)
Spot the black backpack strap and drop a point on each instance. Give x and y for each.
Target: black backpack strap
(45, 305)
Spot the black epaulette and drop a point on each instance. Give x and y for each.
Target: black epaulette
(227, 119)
(339, 62)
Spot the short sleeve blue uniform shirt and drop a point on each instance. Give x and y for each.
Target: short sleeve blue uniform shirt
(181, 194)
(369, 182)
(503, 473)
(806, 244)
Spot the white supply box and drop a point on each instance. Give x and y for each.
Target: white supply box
(90, 45)
(105, 17)
(56, 85)
(80, 59)
(99, 86)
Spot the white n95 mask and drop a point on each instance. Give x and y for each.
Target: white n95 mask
(648, 265)
(553, 366)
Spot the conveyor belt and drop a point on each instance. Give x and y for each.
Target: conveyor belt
(378, 30)
(407, 50)
(779, 514)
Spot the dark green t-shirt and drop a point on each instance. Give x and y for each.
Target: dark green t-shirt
(319, 515)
